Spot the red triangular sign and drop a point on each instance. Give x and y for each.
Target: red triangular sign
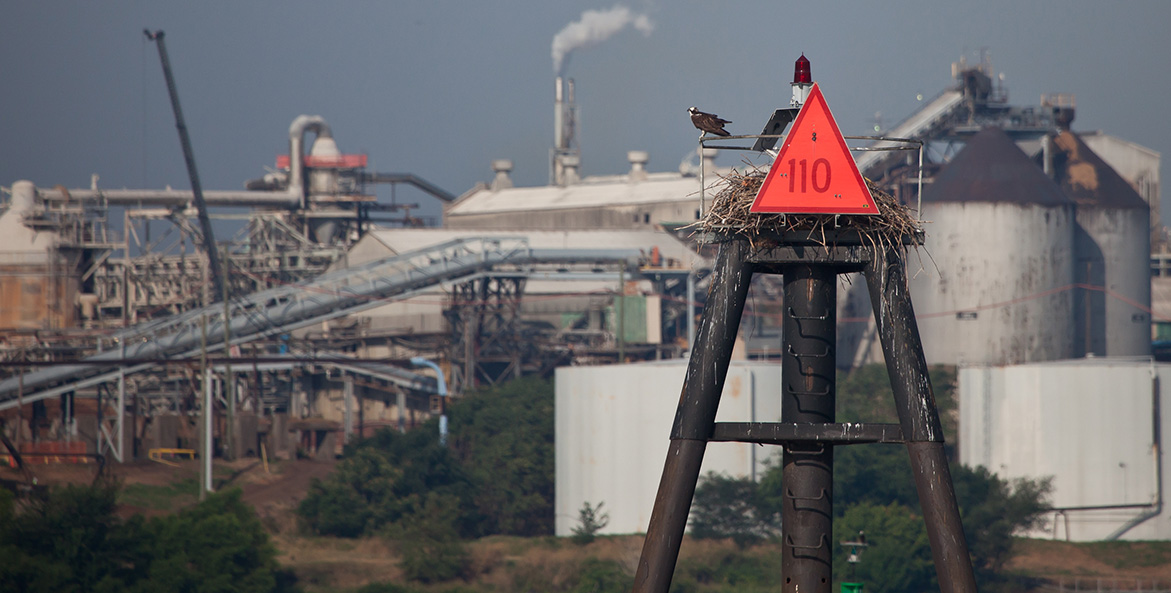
(814, 173)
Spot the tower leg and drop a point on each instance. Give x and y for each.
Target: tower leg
(695, 418)
(808, 374)
(886, 279)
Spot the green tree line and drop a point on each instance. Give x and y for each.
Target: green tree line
(71, 540)
(496, 477)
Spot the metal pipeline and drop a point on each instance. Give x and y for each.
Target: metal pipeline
(297, 130)
(173, 198)
(295, 196)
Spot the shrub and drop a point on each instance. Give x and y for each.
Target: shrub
(602, 576)
(590, 522)
(429, 542)
(726, 507)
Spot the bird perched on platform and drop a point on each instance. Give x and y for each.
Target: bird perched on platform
(708, 123)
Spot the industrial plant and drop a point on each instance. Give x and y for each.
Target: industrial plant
(331, 314)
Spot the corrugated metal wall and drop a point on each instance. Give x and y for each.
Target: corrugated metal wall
(997, 286)
(613, 425)
(1087, 423)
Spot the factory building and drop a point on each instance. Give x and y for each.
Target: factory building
(322, 280)
(554, 310)
(488, 304)
(38, 289)
(636, 200)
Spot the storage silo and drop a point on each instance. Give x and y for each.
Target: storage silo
(996, 288)
(1112, 246)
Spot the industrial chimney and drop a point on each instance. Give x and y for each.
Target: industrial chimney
(565, 155)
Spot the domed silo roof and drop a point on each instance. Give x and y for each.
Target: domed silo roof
(991, 168)
(1087, 179)
(1112, 245)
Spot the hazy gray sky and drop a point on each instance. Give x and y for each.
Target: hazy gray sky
(439, 88)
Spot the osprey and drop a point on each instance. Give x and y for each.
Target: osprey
(708, 122)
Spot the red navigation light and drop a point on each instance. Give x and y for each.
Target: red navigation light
(801, 72)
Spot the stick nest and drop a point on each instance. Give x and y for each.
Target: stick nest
(728, 214)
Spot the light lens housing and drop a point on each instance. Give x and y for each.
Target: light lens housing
(801, 71)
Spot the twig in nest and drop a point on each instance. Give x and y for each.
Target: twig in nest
(729, 213)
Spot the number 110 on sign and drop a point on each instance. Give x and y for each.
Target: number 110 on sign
(800, 173)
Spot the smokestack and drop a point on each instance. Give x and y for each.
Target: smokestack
(569, 119)
(558, 115)
(563, 131)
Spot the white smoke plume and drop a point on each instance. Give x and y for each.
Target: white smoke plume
(594, 27)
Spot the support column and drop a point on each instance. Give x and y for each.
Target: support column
(695, 418)
(898, 330)
(120, 415)
(690, 310)
(400, 403)
(348, 397)
(808, 373)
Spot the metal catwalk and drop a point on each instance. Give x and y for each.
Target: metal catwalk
(279, 310)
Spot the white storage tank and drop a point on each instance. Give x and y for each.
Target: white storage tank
(613, 427)
(997, 287)
(1112, 246)
(1095, 426)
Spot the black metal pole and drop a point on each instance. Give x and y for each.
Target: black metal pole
(695, 418)
(886, 279)
(213, 260)
(808, 396)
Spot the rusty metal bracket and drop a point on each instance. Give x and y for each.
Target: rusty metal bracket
(815, 317)
(820, 496)
(811, 355)
(820, 543)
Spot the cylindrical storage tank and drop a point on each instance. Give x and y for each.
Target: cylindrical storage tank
(38, 288)
(324, 180)
(996, 276)
(613, 427)
(1112, 246)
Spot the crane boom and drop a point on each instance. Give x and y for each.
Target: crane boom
(214, 272)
